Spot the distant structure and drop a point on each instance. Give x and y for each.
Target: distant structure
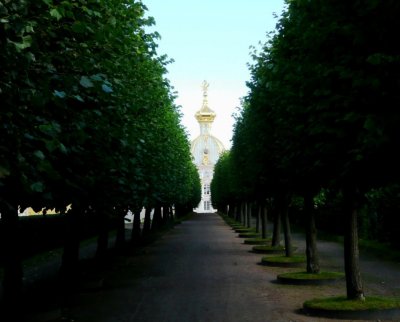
(205, 150)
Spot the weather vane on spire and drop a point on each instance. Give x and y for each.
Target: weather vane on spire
(205, 88)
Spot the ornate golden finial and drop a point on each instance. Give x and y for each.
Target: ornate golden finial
(205, 114)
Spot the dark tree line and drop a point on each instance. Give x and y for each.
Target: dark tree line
(88, 119)
(321, 115)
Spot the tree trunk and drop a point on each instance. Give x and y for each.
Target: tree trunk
(276, 235)
(258, 218)
(180, 211)
(242, 214)
(264, 218)
(237, 213)
(12, 280)
(136, 231)
(311, 235)
(247, 211)
(70, 257)
(354, 285)
(156, 223)
(102, 239)
(120, 239)
(284, 210)
(147, 222)
(231, 211)
(165, 214)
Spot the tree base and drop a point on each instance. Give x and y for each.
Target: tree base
(341, 308)
(237, 226)
(266, 249)
(304, 278)
(249, 235)
(257, 241)
(283, 261)
(245, 230)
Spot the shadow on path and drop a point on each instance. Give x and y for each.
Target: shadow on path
(199, 271)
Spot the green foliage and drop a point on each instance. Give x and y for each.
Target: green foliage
(377, 218)
(381, 213)
(321, 114)
(87, 115)
(320, 101)
(222, 185)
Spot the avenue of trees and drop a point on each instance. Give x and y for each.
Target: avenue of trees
(87, 119)
(320, 121)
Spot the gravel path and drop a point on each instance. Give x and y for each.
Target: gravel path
(202, 272)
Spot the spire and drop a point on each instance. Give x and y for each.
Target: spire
(205, 114)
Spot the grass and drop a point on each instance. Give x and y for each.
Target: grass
(268, 248)
(309, 276)
(284, 259)
(323, 235)
(249, 235)
(229, 220)
(238, 226)
(232, 222)
(257, 241)
(341, 303)
(181, 219)
(381, 250)
(245, 230)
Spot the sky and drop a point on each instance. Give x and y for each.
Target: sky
(210, 40)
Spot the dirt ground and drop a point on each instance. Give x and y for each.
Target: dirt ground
(202, 272)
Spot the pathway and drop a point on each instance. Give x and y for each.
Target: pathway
(201, 272)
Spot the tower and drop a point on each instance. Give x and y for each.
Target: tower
(205, 150)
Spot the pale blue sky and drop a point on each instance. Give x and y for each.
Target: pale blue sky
(210, 40)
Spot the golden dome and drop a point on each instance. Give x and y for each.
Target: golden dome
(205, 114)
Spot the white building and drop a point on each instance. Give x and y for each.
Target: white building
(205, 150)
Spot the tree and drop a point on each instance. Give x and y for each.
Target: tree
(319, 108)
(84, 94)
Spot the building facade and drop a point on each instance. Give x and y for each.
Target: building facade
(205, 150)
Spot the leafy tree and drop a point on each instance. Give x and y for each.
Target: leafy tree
(84, 97)
(320, 111)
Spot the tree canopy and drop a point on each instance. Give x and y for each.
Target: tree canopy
(322, 104)
(87, 113)
(87, 118)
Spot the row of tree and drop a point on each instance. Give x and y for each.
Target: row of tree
(87, 118)
(323, 110)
